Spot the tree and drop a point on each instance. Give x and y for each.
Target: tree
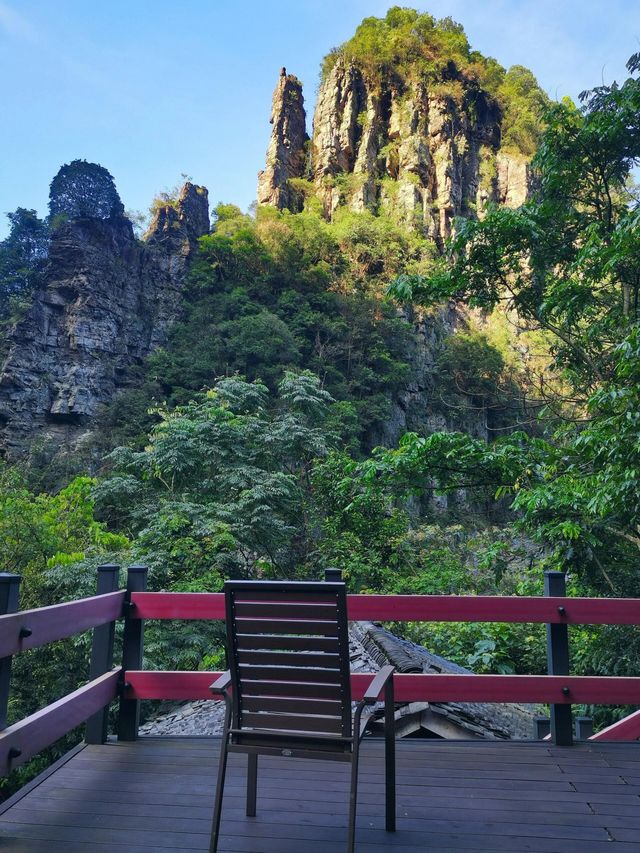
(567, 262)
(82, 189)
(222, 487)
(23, 255)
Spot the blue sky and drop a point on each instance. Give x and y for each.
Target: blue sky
(153, 89)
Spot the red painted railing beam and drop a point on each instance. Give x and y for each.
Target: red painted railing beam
(29, 629)
(426, 688)
(25, 739)
(419, 608)
(625, 729)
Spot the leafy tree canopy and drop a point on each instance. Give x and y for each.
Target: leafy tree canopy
(84, 189)
(567, 262)
(284, 292)
(410, 44)
(222, 487)
(23, 255)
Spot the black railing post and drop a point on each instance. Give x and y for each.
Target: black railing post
(102, 653)
(333, 575)
(132, 648)
(9, 603)
(584, 728)
(558, 660)
(542, 727)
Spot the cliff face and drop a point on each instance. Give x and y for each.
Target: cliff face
(107, 302)
(426, 153)
(286, 154)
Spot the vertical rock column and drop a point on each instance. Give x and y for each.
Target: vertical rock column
(286, 154)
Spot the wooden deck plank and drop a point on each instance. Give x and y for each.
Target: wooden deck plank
(157, 793)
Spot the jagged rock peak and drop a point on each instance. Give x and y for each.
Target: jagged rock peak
(108, 301)
(286, 154)
(412, 122)
(425, 152)
(185, 217)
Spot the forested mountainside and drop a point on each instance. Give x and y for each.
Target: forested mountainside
(417, 359)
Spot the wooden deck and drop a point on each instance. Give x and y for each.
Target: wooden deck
(157, 794)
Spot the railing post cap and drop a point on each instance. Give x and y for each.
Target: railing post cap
(137, 568)
(332, 574)
(554, 573)
(108, 567)
(9, 577)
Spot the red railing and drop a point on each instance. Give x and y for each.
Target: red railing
(418, 608)
(30, 629)
(552, 689)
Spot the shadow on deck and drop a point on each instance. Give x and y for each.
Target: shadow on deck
(157, 794)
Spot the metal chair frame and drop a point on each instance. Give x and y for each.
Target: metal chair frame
(302, 625)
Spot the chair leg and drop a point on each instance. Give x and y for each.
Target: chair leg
(252, 783)
(389, 758)
(222, 769)
(353, 798)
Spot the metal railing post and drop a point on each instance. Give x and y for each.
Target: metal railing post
(558, 660)
(102, 653)
(9, 603)
(132, 649)
(584, 728)
(542, 727)
(333, 575)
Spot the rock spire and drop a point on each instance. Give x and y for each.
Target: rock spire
(424, 152)
(286, 155)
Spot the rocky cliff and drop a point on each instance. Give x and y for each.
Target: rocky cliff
(286, 155)
(108, 301)
(423, 152)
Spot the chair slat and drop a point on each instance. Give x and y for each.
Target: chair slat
(289, 673)
(286, 596)
(299, 658)
(287, 626)
(285, 610)
(295, 689)
(325, 707)
(292, 722)
(250, 642)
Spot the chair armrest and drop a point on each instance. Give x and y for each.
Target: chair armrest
(377, 685)
(222, 683)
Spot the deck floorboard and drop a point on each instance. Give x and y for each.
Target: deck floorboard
(157, 794)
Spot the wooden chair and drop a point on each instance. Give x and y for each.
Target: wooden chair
(288, 690)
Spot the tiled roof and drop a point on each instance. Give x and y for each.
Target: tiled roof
(452, 719)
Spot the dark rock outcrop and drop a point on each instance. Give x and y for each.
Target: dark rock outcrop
(287, 147)
(108, 301)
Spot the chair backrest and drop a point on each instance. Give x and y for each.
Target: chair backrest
(288, 648)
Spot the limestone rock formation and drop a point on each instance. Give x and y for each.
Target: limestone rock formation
(286, 153)
(426, 153)
(108, 301)
(513, 179)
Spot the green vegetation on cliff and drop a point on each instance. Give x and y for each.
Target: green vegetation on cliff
(285, 292)
(411, 45)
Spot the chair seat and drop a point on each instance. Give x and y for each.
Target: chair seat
(291, 744)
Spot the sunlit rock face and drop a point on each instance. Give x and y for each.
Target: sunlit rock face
(425, 153)
(108, 301)
(286, 155)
